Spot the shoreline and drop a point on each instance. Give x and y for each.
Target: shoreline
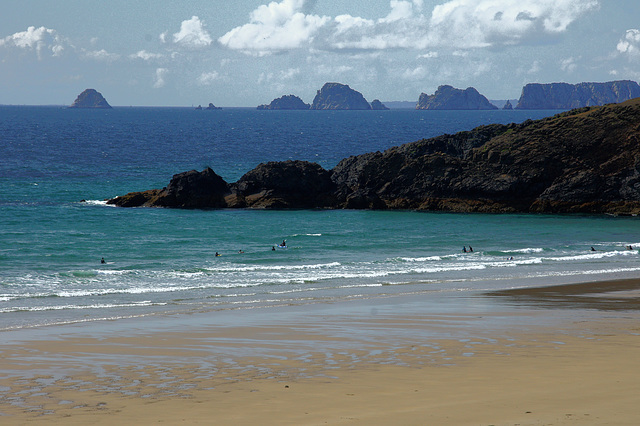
(521, 356)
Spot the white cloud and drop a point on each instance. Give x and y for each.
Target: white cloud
(208, 78)
(159, 78)
(102, 55)
(482, 23)
(39, 40)
(191, 34)
(569, 65)
(275, 27)
(630, 44)
(455, 24)
(146, 56)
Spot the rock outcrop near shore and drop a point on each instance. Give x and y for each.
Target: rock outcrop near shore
(582, 161)
(568, 96)
(450, 98)
(90, 98)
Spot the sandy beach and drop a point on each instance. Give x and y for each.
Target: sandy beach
(551, 356)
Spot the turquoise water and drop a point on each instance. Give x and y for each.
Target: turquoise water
(160, 260)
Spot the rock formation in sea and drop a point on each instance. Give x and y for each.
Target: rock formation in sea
(448, 97)
(507, 105)
(582, 161)
(568, 96)
(339, 96)
(212, 107)
(90, 98)
(378, 106)
(286, 102)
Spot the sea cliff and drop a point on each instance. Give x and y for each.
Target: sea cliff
(568, 96)
(582, 161)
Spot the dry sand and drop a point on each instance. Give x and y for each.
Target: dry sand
(579, 368)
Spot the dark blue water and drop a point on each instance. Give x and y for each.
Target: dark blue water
(161, 260)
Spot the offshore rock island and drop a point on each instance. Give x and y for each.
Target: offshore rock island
(450, 98)
(581, 161)
(90, 98)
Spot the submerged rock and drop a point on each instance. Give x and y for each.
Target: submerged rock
(90, 98)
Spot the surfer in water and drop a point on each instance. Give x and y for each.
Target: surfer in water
(102, 261)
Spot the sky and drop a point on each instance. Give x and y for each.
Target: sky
(243, 53)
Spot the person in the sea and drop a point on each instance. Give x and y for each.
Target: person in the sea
(592, 249)
(273, 248)
(284, 243)
(218, 254)
(240, 251)
(470, 249)
(102, 261)
(464, 249)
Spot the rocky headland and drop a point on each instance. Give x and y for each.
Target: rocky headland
(450, 98)
(581, 161)
(568, 96)
(90, 98)
(339, 96)
(286, 102)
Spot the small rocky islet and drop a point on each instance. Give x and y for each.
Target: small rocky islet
(586, 160)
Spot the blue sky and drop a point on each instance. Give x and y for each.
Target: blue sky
(248, 52)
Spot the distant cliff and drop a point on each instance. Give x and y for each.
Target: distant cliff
(286, 102)
(90, 98)
(568, 96)
(339, 96)
(529, 167)
(448, 97)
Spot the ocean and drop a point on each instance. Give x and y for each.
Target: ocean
(162, 261)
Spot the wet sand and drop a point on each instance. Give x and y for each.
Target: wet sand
(547, 356)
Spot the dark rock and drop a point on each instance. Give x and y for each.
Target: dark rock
(450, 98)
(568, 96)
(287, 184)
(378, 106)
(582, 161)
(90, 98)
(339, 96)
(507, 105)
(286, 102)
(212, 107)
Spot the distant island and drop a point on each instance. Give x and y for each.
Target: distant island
(568, 96)
(90, 98)
(334, 96)
(339, 96)
(210, 107)
(378, 106)
(527, 167)
(450, 98)
(286, 102)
